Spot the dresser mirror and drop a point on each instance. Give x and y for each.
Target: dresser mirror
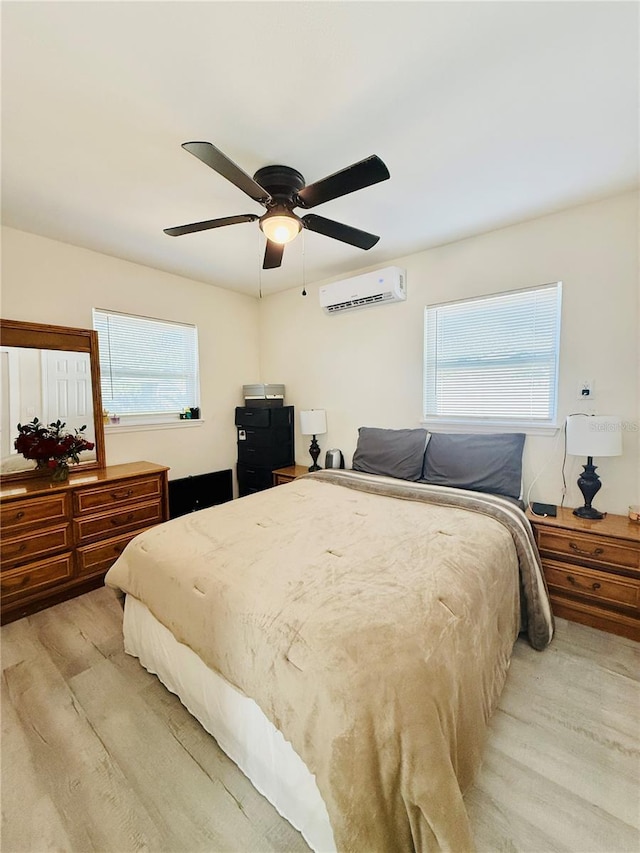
(52, 373)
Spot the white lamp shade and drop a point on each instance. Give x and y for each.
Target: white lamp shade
(594, 435)
(313, 422)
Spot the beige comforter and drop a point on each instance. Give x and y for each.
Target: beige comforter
(373, 623)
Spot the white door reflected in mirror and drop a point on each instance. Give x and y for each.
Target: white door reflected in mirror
(49, 385)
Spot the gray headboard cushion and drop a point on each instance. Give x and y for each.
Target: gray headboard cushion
(391, 452)
(485, 462)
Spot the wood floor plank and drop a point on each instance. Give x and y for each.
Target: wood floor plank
(205, 751)
(607, 779)
(98, 756)
(608, 651)
(24, 792)
(97, 614)
(535, 808)
(603, 702)
(191, 810)
(68, 647)
(97, 807)
(18, 643)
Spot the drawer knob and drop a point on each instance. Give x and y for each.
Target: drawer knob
(19, 515)
(118, 496)
(594, 586)
(595, 553)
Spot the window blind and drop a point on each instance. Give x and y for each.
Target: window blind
(147, 366)
(494, 358)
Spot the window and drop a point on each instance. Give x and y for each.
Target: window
(494, 360)
(148, 368)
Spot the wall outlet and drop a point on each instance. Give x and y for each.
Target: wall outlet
(585, 390)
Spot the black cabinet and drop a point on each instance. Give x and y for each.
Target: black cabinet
(265, 442)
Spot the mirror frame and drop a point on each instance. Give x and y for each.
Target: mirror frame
(16, 333)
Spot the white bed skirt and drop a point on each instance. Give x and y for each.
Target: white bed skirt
(240, 728)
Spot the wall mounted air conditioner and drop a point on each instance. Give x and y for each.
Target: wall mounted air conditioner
(371, 288)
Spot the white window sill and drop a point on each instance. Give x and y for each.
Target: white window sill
(131, 426)
(471, 426)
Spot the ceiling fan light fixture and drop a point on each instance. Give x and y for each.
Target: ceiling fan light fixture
(280, 226)
(280, 189)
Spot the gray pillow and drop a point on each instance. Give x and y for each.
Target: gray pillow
(392, 452)
(483, 463)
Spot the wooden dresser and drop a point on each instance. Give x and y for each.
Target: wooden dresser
(59, 539)
(592, 569)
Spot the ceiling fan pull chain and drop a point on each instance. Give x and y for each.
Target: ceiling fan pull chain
(304, 272)
(259, 266)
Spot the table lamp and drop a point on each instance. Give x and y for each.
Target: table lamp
(592, 435)
(313, 422)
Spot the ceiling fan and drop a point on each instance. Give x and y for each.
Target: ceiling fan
(280, 189)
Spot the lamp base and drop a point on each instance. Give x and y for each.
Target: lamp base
(314, 450)
(588, 512)
(589, 484)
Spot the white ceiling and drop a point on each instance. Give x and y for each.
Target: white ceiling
(486, 114)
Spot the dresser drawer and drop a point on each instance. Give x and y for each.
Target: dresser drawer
(19, 515)
(32, 546)
(23, 580)
(587, 548)
(124, 520)
(117, 494)
(101, 556)
(592, 585)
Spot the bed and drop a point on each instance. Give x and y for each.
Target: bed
(345, 638)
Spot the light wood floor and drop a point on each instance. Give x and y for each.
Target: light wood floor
(98, 756)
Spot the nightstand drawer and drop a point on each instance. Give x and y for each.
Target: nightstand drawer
(595, 586)
(587, 548)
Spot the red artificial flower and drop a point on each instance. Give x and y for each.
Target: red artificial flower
(50, 445)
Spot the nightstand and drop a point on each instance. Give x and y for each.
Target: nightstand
(592, 569)
(288, 474)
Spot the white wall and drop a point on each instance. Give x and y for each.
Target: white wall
(45, 281)
(365, 367)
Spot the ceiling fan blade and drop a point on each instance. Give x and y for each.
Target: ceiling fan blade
(331, 228)
(363, 174)
(273, 255)
(221, 164)
(179, 230)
